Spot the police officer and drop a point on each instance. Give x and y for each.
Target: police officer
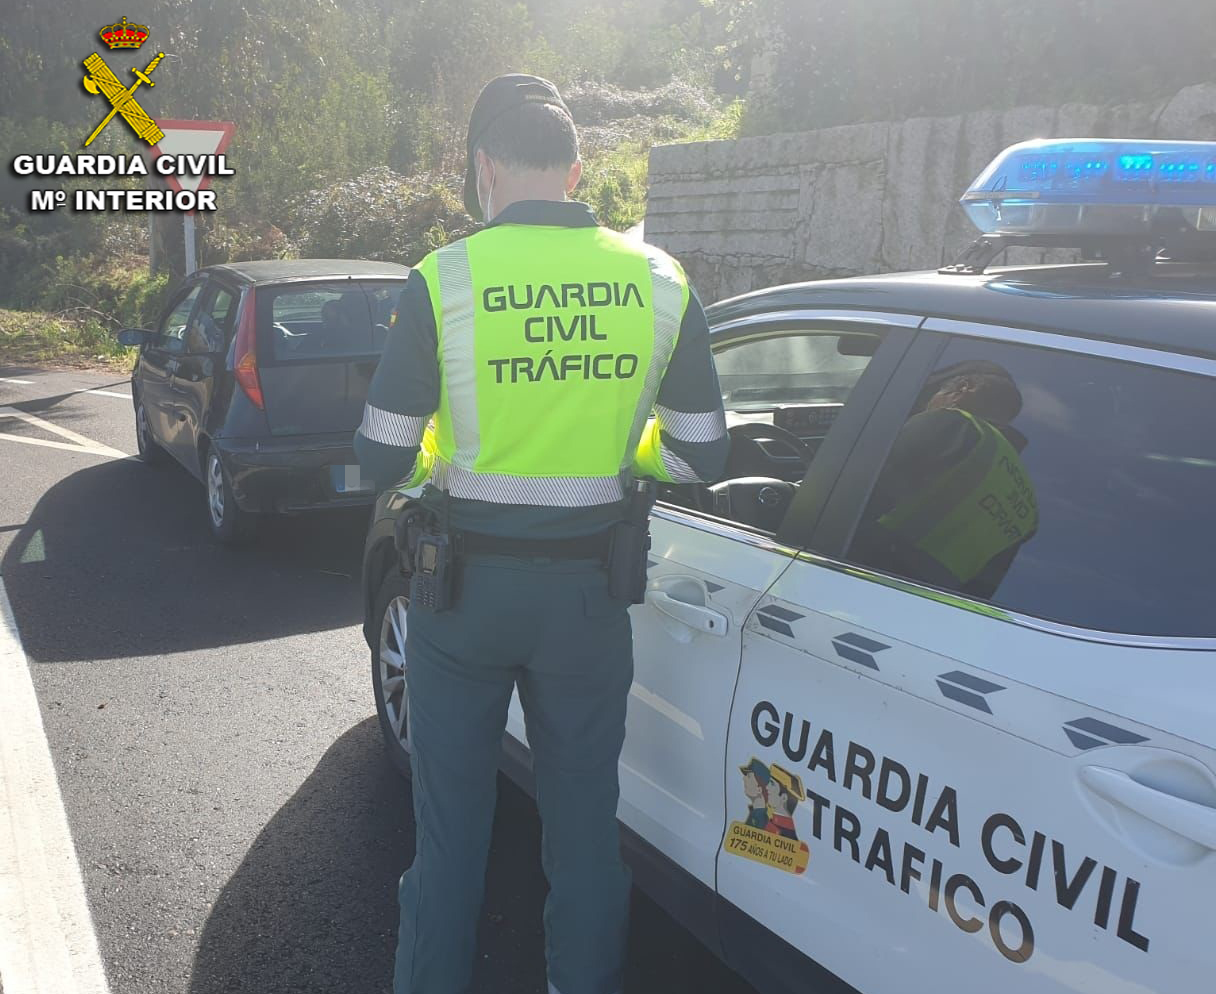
(954, 502)
(534, 369)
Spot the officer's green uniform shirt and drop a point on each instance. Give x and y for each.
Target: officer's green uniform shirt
(607, 341)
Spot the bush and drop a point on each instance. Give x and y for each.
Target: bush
(381, 215)
(110, 292)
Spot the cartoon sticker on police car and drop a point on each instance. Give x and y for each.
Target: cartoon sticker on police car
(769, 835)
(756, 779)
(785, 791)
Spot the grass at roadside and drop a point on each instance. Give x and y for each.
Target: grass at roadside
(34, 338)
(73, 308)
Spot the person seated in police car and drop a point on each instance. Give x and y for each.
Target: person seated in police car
(954, 502)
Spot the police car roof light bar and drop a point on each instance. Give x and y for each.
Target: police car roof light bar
(1110, 198)
(1094, 187)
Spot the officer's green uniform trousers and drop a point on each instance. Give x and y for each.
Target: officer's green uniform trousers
(550, 628)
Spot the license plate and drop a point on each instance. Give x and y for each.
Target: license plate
(347, 480)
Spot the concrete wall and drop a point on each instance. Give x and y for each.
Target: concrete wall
(862, 198)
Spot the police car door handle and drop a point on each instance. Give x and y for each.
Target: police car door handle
(696, 616)
(1193, 821)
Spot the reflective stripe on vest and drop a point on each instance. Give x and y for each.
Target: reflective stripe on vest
(972, 512)
(552, 346)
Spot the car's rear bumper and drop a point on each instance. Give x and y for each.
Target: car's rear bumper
(289, 474)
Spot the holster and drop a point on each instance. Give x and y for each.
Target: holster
(629, 551)
(627, 559)
(413, 521)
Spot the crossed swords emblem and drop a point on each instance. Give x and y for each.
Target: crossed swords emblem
(102, 80)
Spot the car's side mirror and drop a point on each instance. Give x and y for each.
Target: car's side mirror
(135, 337)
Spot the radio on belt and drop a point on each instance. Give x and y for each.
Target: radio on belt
(431, 584)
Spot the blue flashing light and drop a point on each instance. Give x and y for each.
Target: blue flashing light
(1093, 186)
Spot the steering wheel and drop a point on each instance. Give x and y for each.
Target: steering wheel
(749, 458)
(758, 500)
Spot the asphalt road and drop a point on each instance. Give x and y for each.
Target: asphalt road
(210, 717)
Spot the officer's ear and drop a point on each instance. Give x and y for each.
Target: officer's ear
(573, 177)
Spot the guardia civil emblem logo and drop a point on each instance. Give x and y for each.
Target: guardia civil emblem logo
(101, 80)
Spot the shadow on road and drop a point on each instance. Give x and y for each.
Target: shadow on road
(116, 561)
(313, 906)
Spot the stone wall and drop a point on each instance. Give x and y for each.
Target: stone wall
(862, 198)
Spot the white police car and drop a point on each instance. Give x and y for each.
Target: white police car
(925, 691)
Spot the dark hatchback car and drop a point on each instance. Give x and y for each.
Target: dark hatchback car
(254, 379)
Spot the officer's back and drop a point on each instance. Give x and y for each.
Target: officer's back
(534, 370)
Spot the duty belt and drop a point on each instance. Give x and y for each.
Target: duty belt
(580, 547)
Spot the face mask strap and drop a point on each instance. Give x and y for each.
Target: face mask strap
(487, 209)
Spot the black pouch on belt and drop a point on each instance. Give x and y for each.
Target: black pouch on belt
(411, 523)
(631, 545)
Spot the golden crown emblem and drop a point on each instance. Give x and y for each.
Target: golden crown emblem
(124, 35)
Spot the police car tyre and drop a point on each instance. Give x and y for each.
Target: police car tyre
(389, 669)
(149, 451)
(229, 524)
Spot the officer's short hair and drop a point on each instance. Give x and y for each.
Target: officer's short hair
(534, 136)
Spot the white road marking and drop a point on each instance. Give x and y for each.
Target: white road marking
(47, 942)
(46, 443)
(10, 379)
(110, 393)
(80, 442)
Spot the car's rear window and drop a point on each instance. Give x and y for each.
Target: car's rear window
(1092, 506)
(314, 321)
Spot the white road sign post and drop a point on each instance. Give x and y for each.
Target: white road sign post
(191, 138)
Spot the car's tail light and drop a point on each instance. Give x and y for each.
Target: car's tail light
(245, 354)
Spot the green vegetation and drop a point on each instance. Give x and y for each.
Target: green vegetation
(835, 62)
(614, 181)
(38, 336)
(350, 129)
(83, 302)
(351, 116)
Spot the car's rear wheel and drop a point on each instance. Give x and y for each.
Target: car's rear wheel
(389, 670)
(229, 524)
(149, 451)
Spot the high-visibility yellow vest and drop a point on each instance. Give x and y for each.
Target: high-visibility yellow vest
(552, 344)
(974, 511)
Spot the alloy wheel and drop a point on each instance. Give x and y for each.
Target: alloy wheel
(215, 489)
(141, 429)
(393, 670)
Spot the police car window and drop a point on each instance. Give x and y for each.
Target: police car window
(1057, 485)
(782, 391)
(173, 331)
(790, 368)
(321, 323)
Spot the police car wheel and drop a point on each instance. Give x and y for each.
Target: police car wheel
(389, 668)
(229, 524)
(149, 451)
